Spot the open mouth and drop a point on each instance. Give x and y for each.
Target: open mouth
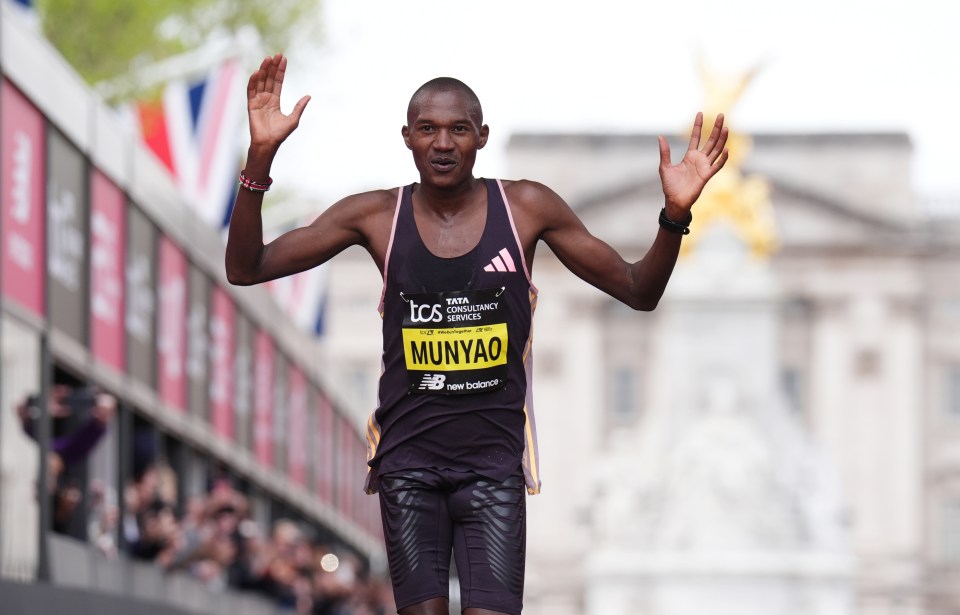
(442, 163)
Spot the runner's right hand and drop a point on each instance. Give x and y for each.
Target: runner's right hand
(269, 127)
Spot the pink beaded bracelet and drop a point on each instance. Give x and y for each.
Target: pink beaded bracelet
(253, 186)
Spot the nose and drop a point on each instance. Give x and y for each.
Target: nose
(443, 142)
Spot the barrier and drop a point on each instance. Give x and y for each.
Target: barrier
(79, 571)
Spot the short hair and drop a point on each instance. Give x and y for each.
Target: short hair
(446, 84)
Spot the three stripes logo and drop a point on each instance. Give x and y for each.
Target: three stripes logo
(432, 382)
(501, 262)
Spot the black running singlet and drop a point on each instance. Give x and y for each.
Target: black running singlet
(454, 393)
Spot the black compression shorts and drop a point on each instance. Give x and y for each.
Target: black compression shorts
(427, 512)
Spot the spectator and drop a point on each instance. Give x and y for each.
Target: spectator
(89, 413)
(91, 410)
(103, 519)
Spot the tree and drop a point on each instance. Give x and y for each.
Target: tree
(109, 40)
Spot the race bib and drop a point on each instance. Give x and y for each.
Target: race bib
(455, 342)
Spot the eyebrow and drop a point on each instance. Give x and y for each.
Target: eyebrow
(457, 122)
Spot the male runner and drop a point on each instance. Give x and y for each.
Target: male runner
(452, 444)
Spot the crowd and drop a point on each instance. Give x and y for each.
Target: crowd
(216, 542)
(213, 539)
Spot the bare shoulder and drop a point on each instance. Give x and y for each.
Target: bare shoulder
(536, 204)
(369, 214)
(364, 218)
(365, 205)
(526, 192)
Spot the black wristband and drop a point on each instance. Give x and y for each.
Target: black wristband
(675, 227)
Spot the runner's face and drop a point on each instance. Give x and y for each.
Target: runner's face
(444, 139)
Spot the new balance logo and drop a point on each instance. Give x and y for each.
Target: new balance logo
(503, 262)
(432, 382)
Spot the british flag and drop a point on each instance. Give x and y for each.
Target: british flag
(195, 129)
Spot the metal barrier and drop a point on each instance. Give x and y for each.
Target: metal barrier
(78, 566)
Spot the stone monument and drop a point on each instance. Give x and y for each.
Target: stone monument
(718, 502)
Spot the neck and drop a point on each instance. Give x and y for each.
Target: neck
(448, 198)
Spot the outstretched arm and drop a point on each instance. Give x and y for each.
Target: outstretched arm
(248, 260)
(639, 285)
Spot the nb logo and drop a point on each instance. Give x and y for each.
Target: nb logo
(432, 382)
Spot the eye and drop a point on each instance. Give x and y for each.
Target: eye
(460, 129)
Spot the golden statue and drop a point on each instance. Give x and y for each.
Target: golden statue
(742, 201)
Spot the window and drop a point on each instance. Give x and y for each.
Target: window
(791, 383)
(952, 397)
(950, 531)
(622, 395)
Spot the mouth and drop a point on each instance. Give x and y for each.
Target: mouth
(443, 163)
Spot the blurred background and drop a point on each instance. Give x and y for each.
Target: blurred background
(782, 435)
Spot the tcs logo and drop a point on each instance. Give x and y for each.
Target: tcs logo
(425, 312)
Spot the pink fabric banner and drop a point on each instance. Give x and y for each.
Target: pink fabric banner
(323, 458)
(22, 158)
(172, 326)
(297, 430)
(346, 459)
(222, 327)
(263, 370)
(107, 282)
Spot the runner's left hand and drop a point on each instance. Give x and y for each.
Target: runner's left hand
(683, 182)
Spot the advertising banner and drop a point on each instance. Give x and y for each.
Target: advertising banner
(22, 181)
(243, 381)
(222, 325)
(198, 344)
(346, 461)
(263, 371)
(172, 326)
(107, 245)
(140, 303)
(67, 214)
(323, 453)
(281, 409)
(297, 439)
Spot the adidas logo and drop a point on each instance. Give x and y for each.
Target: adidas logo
(502, 262)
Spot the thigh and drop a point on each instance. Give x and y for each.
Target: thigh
(490, 543)
(418, 532)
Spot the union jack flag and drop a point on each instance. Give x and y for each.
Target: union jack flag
(195, 130)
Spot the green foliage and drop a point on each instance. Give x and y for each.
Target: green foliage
(108, 39)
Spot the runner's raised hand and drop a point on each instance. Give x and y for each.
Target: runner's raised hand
(269, 126)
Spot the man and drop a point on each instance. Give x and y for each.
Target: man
(453, 442)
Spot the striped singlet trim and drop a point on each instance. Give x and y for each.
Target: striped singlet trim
(516, 236)
(531, 459)
(386, 258)
(373, 428)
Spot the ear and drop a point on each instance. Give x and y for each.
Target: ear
(484, 133)
(405, 131)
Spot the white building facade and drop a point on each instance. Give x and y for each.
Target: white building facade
(860, 337)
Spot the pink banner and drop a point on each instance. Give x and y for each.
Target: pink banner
(323, 450)
(172, 326)
(369, 513)
(370, 508)
(347, 464)
(107, 242)
(297, 433)
(222, 326)
(22, 179)
(263, 370)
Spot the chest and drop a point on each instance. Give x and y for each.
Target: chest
(451, 234)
